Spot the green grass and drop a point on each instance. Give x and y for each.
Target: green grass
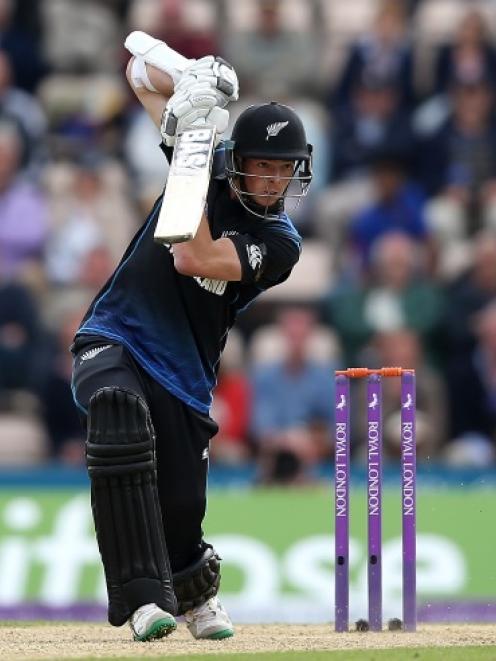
(398, 654)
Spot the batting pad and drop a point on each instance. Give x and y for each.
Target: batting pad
(120, 457)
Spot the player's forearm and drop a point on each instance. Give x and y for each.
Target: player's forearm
(206, 257)
(153, 102)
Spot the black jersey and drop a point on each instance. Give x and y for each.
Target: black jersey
(174, 325)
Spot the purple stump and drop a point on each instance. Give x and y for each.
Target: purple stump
(374, 499)
(408, 505)
(342, 502)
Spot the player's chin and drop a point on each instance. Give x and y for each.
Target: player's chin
(267, 200)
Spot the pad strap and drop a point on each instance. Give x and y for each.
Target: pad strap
(197, 583)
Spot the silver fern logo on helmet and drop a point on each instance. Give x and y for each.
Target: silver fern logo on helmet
(275, 128)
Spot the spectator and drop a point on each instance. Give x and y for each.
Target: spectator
(23, 440)
(398, 206)
(172, 26)
(292, 404)
(270, 60)
(23, 344)
(97, 45)
(90, 213)
(472, 389)
(60, 416)
(457, 164)
(231, 407)
(147, 164)
(23, 212)
(21, 48)
(384, 52)
(470, 55)
(373, 122)
(470, 292)
(21, 107)
(404, 348)
(395, 295)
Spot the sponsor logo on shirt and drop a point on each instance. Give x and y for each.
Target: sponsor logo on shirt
(213, 286)
(254, 256)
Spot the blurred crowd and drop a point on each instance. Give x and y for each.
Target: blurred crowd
(399, 260)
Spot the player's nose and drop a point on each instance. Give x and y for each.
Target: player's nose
(276, 174)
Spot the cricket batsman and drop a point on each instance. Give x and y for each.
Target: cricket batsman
(147, 351)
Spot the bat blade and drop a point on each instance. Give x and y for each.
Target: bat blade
(187, 186)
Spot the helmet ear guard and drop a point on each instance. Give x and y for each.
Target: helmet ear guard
(305, 170)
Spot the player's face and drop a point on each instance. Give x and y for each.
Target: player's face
(266, 180)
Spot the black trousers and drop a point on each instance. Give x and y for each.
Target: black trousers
(182, 434)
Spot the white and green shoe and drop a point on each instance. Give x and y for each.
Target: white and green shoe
(209, 621)
(149, 622)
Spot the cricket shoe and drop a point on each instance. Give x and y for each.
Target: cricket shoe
(209, 621)
(149, 622)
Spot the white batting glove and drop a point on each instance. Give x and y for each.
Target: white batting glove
(215, 72)
(195, 106)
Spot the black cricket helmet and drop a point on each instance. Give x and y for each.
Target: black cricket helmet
(269, 131)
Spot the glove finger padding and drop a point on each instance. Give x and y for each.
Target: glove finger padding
(218, 117)
(216, 72)
(192, 107)
(171, 126)
(183, 108)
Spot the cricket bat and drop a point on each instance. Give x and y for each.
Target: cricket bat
(186, 189)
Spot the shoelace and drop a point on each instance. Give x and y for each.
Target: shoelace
(207, 609)
(137, 617)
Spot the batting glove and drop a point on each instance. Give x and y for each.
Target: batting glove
(215, 72)
(195, 106)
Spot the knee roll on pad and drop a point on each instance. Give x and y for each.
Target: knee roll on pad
(120, 455)
(198, 582)
(120, 434)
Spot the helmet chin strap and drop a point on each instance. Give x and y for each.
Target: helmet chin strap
(265, 213)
